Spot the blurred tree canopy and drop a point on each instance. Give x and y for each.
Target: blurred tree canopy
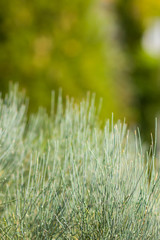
(82, 46)
(46, 45)
(134, 17)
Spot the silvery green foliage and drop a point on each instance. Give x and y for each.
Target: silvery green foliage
(70, 179)
(12, 124)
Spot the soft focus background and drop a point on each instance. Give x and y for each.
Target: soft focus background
(111, 47)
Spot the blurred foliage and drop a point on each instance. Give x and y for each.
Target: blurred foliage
(133, 17)
(145, 9)
(82, 46)
(46, 45)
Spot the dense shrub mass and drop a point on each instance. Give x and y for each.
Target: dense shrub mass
(64, 177)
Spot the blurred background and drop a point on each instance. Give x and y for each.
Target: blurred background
(111, 47)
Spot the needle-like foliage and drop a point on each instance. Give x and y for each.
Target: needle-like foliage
(64, 177)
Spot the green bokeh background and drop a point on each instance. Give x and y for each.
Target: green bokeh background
(81, 46)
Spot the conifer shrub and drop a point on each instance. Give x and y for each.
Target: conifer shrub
(62, 176)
